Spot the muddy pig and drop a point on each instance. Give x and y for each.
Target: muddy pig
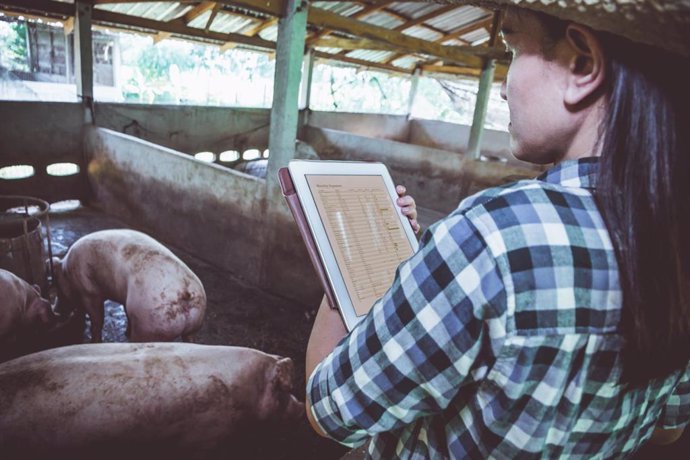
(23, 313)
(162, 297)
(141, 400)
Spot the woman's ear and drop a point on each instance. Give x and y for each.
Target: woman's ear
(586, 65)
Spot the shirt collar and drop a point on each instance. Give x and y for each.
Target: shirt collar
(580, 173)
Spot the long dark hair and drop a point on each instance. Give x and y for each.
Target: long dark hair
(643, 192)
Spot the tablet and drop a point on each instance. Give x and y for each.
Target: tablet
(360, 233)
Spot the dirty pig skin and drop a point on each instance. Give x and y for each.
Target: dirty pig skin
(22, 309)
(162, 297)
(180, 400)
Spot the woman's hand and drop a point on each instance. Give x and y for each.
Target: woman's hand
(407, 206)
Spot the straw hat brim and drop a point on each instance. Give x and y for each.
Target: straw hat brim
(663, 24)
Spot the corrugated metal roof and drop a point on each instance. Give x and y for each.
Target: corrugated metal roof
(237, 19)
(406, 62)
(382, 19)
(270, 33)
(368, 55)
(423, 32)
(414, 10)
(223, 22)
(160, 11)
(476, 37)
(454, 42)
(457, 18)
(341, 8)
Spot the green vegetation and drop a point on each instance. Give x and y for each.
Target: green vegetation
(13, 49)
(184, 72)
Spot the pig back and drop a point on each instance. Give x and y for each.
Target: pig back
(107, 263)
(167, 395)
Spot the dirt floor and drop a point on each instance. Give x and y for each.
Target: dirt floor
(237, 314)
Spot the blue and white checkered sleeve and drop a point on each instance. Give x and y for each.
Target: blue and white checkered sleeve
(420, 342)
(676, 413)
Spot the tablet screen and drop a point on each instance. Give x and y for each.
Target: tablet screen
(364, 230)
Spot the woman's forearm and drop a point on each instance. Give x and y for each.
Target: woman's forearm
(327, 331)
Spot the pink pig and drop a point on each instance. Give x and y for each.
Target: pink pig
(155, 400)
(162, 297)
(22, 310)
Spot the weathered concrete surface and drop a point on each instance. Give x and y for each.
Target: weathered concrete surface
(393, 127)
(454, 138)
(438, 179)
(426, 133)
(214, 212)
(186, 202)
(189, 129)
(39, 134)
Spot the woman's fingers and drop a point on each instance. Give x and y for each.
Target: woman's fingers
(407, 206)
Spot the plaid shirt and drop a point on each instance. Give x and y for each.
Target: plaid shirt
(499, 339)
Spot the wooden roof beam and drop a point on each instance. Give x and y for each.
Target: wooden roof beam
(178, 29)
(362, 63)
(197, 11)
(358, 15)
(356, 44)
(463, 55)
(419, 21)
(479, 24)
(261, 26)
(422, 19)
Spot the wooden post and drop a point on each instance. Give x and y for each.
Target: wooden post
(483, 94)
(83, 52)
(413, 91)
(305, 88)
(292, 31)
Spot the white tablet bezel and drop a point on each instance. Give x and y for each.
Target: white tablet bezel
(299, 169)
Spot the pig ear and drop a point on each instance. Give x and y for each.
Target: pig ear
(37, 288)
(283, 374)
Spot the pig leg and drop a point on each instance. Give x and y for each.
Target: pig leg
(128, 330)
(93, 306)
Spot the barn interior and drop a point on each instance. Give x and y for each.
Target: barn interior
(137, 165)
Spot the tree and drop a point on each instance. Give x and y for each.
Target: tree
(15, 55)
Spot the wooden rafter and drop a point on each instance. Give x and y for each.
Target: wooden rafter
(481, 23)
(212, 17)
(362, 63)
(484, 23)
(426, 17)
(418, 21)
(358, 15)
(197, 11)
(179, 29)
(353, 44)
(463, 57)
(499, 73)
(261, 26)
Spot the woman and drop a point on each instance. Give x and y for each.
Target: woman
(549, 317)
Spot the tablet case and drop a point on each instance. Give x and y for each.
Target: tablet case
(288, 189)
